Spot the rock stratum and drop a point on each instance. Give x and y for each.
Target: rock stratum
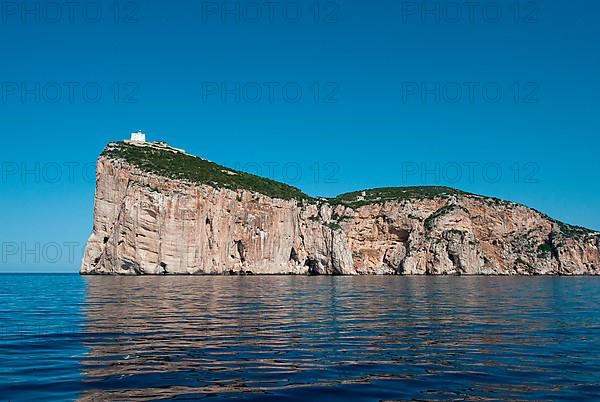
(159, 211)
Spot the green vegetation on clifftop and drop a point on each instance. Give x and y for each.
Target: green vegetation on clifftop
(162, 160)
(377, 195)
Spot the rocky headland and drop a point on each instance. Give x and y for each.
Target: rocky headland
(161, 211)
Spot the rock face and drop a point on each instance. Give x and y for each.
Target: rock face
(146, 223)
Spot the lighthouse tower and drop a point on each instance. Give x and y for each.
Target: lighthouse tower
(138, 136)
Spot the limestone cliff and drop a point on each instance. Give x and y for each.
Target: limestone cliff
(159, 210)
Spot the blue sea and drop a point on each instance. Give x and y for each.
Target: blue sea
(287, 338)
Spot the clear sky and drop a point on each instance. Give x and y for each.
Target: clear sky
(498, 98)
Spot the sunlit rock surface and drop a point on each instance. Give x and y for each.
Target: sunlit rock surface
(148, 223)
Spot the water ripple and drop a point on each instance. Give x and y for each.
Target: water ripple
(299, 338)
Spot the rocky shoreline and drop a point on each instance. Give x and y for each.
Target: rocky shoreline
(155, 215)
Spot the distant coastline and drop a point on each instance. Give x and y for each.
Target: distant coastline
(162, 211)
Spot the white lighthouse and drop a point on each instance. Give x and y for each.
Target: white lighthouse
(138, 136)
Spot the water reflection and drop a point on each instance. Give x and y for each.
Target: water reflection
(347, 338)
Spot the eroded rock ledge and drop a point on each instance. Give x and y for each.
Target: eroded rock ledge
(152, 216)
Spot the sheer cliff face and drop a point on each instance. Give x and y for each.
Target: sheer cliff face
(148, 224)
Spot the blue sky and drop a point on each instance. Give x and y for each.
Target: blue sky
(343, 96)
